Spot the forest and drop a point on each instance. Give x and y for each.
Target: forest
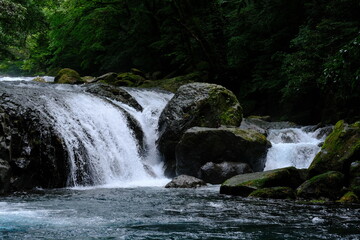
(295, 60)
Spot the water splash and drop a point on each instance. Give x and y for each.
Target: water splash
(293, 147)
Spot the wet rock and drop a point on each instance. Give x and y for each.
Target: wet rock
(115, 93)
(243, 185)
(340, 149)
(31, 152)
(201, 145)
(324, 186)
(263, 126)
(217, 173)
(274, 193)
(68, 76)
(195, 104)
(184, 181)
(108, 78)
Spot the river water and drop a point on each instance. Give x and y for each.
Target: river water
(130, 203)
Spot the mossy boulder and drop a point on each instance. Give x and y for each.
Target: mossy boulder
(274, 193)
(184, 181)
(135, 79)
(340, 149)
(68, 76)
(243, 185)
(349, 197)
(195, 104)
(200, 145)
(324, 186)
(172, 84)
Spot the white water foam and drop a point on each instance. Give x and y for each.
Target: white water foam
(102, 148)
(292, 147)
(11, 79)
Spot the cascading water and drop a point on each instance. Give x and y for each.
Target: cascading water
(293, 147)
(103, 149)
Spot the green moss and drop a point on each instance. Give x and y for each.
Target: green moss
(128, 76)
(326, 185)
(340, 148)
(68, 76)
(349, 197)
(274, 193)
(172, 84)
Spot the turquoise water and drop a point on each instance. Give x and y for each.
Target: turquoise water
(158, 213)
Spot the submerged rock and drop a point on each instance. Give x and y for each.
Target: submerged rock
(68, 76)
(201, 145)
(184, 181)
(245, 184)
(195, 104)
(217, 173)
(327, 185)
(341, 148)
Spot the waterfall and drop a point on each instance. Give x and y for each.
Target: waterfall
(100, 141)
(293, 147)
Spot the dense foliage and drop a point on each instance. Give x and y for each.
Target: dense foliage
(293, 59)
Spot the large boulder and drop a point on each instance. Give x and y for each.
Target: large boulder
(245, 184)
(68, 76)
(324, 186)
(31, 152)
(341, 148)
(217, 173)
(195, 104)
(184, 181)
(201, 145)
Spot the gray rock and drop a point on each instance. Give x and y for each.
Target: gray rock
(184, 181)
(201, 145)
(218, 173)
(195, 104)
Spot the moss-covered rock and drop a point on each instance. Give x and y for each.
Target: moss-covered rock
(341, 148)
(130, 77)
(274, 193)
(200, 145)
(327, 185)
(172, 84)
(241, 185)
(195, 104)
(39, 79)
(68, 76)
(88, 79)
(349, 197)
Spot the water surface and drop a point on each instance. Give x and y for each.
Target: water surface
(158, 213)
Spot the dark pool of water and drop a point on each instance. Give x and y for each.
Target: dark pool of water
(157, 213)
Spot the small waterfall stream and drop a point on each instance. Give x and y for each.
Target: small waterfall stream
(293, 147)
